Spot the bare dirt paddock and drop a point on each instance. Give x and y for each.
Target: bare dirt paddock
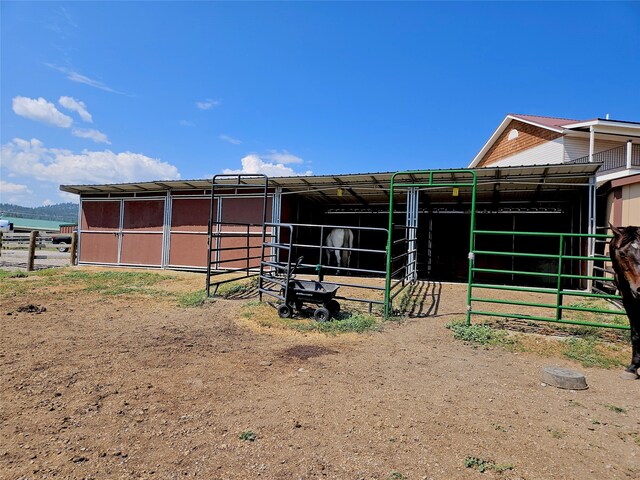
(115, 385)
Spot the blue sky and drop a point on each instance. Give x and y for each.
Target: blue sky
(105, 92)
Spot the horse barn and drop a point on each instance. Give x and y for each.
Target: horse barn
(164, 224)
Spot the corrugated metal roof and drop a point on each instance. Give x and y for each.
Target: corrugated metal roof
(548, 121)
(365, 188)
(556, 122)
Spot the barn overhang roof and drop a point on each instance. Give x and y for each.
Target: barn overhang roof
(367, 188)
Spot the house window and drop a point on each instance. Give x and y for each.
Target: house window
(513, 134)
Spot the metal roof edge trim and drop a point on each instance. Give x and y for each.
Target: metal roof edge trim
(196, 184)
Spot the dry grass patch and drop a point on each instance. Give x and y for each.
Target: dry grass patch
(264, 315)
(583, 346)
(183, 290)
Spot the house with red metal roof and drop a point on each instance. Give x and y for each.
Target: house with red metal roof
(527, 140)
(536, 140)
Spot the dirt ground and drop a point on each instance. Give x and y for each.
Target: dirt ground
(130, 387)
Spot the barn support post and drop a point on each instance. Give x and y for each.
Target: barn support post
(412, 232)
(166, 229)
(276, 206)
(79, 230)
(119, 233)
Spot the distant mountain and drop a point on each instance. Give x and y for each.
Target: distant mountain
(61, 212)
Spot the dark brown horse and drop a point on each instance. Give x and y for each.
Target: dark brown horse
(625, 255)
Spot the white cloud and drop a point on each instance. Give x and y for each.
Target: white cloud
(76, 106)
(207, 104)
(41, 111)
(13, 188)
(77, 77)
(31, 159)
(13, 192)
(229, 139)
(94, 135)
(47, 202)
(283, 157)
(253, 163)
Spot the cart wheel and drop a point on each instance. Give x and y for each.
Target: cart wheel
(333, 306)
(284, 311)
(322, 314)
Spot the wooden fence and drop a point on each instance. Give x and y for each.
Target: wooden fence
(32, 242)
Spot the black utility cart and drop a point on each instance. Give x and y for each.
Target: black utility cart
(298, 292)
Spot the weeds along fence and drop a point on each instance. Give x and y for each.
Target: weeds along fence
(295, 240)
(568, 274)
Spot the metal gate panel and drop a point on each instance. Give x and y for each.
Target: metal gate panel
(410, 181)
(236, 230)
(560, 278)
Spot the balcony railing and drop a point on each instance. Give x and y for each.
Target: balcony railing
(613, 159)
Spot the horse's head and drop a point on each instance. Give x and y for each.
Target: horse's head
(625, 255)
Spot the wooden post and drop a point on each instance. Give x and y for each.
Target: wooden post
(32, 250)
(1, 243)
(74, 248)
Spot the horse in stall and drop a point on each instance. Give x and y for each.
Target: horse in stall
(339, 238)
(624, 249)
